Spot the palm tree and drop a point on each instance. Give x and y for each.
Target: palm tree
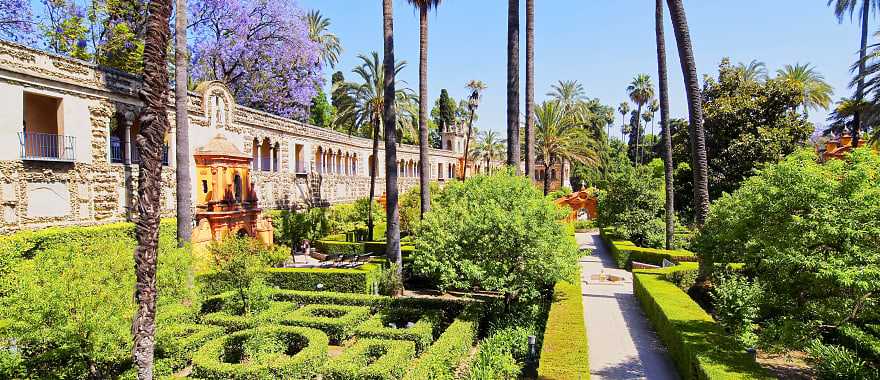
(695, 111)
(843, 115)
(530, 89)
(815, 92)
(489, 148)
(392, 208)
(841, 9)
(663, 87)
(150, 139)
(560, 138)
(640, 91)
(623, 108)
(567, 92)
(755, 71)
(424, 6)
(331, 47)
(513, 148)
(477, 87)
(181, 100)
(366, 110)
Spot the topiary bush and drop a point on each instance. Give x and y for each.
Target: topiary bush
(425, 323)
(495, 232)
(443, 357)
(338, 321)
(268, 352)
(372, 359)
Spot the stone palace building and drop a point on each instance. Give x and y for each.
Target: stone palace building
(67, 155)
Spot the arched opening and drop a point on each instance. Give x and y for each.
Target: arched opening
(266, 156)
(237, 187)
(242, 233)
(319, 160)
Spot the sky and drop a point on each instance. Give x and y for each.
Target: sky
(602, 44)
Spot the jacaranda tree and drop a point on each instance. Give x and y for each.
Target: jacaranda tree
(261, 50)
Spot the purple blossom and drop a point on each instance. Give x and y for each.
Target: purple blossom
(261, 50)
(15, 21)
(81, 44)
(128, 45)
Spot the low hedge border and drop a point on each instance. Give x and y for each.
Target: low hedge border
(443, 357)
(699, 346)
(372, 359)
(565, 350)
(363, 279)
(338, 328)
(349, 299)
(177, 342)
(209, 362)
(230, 323)
(625, 252)
(422, 333)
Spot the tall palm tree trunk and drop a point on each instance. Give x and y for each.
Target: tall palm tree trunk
(530, 89)
(467, 144)
(373, 173)
(513, 154)
(393, 211)
(424, 169)
(860, 89)
(181, 100)
(695, 110)
(664, 125)
(637, 132)
(153, 126)
(547, 171)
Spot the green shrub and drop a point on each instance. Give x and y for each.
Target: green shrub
(440, 361)
(633, 202)
(70, 307)
(240, 264)
(838, 363)
(565, 351)
(350, 299)
(236, 357)
(625, 253)
(685, 275)
(583, 225)
(229, 322)
(292, 227)
(338, 321)
(361, 280)
(177, 342)
(411, 206)
(809, 233)
(498, 356)
(699, 346)
(372, 359)
(737, 306)
(421, 333)
(860, 341)
(495, 232)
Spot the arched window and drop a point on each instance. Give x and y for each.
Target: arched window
(256, 154)
(236, 186)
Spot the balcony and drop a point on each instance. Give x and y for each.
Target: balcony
(117, 152)
(46, 147)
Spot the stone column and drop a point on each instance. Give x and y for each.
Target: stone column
(259, 156)
(127, 152)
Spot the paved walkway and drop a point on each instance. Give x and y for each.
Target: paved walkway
(622, 343)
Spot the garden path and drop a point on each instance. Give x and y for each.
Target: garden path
(623, 344)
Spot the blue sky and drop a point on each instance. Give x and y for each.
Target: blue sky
(601, 43)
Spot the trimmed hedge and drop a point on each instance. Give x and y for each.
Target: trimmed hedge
(26, 244)
(625, 252)
(212, 361)
(340, 248)
(422, 333)
(443, 357)
(363, 279)
(565, 350)
(338, 321)
(178, 342)
(379, 247)
(372, 359)
(230, 323)
(350, 299)
(699, 346)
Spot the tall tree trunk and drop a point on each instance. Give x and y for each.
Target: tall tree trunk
(664, 125)
(392, 212)
(153, 126)
(467, 144)
(181, 100)
(373, 174)
(695, 110)
(530, 89)
(860, 89)
(513, 153)
(547, 171)
(636, 133)
(424, 169)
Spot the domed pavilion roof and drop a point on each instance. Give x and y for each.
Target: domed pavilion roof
(221, 147)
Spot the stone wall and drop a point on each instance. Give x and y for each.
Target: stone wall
(92, 189)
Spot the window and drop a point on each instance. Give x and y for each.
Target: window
(236, 184)
(299, 159)
(205, 186)
(42, 130)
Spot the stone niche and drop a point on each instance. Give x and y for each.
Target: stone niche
(48, 200)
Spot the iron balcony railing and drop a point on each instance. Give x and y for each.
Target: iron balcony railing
(117, 152)
(46, 147)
